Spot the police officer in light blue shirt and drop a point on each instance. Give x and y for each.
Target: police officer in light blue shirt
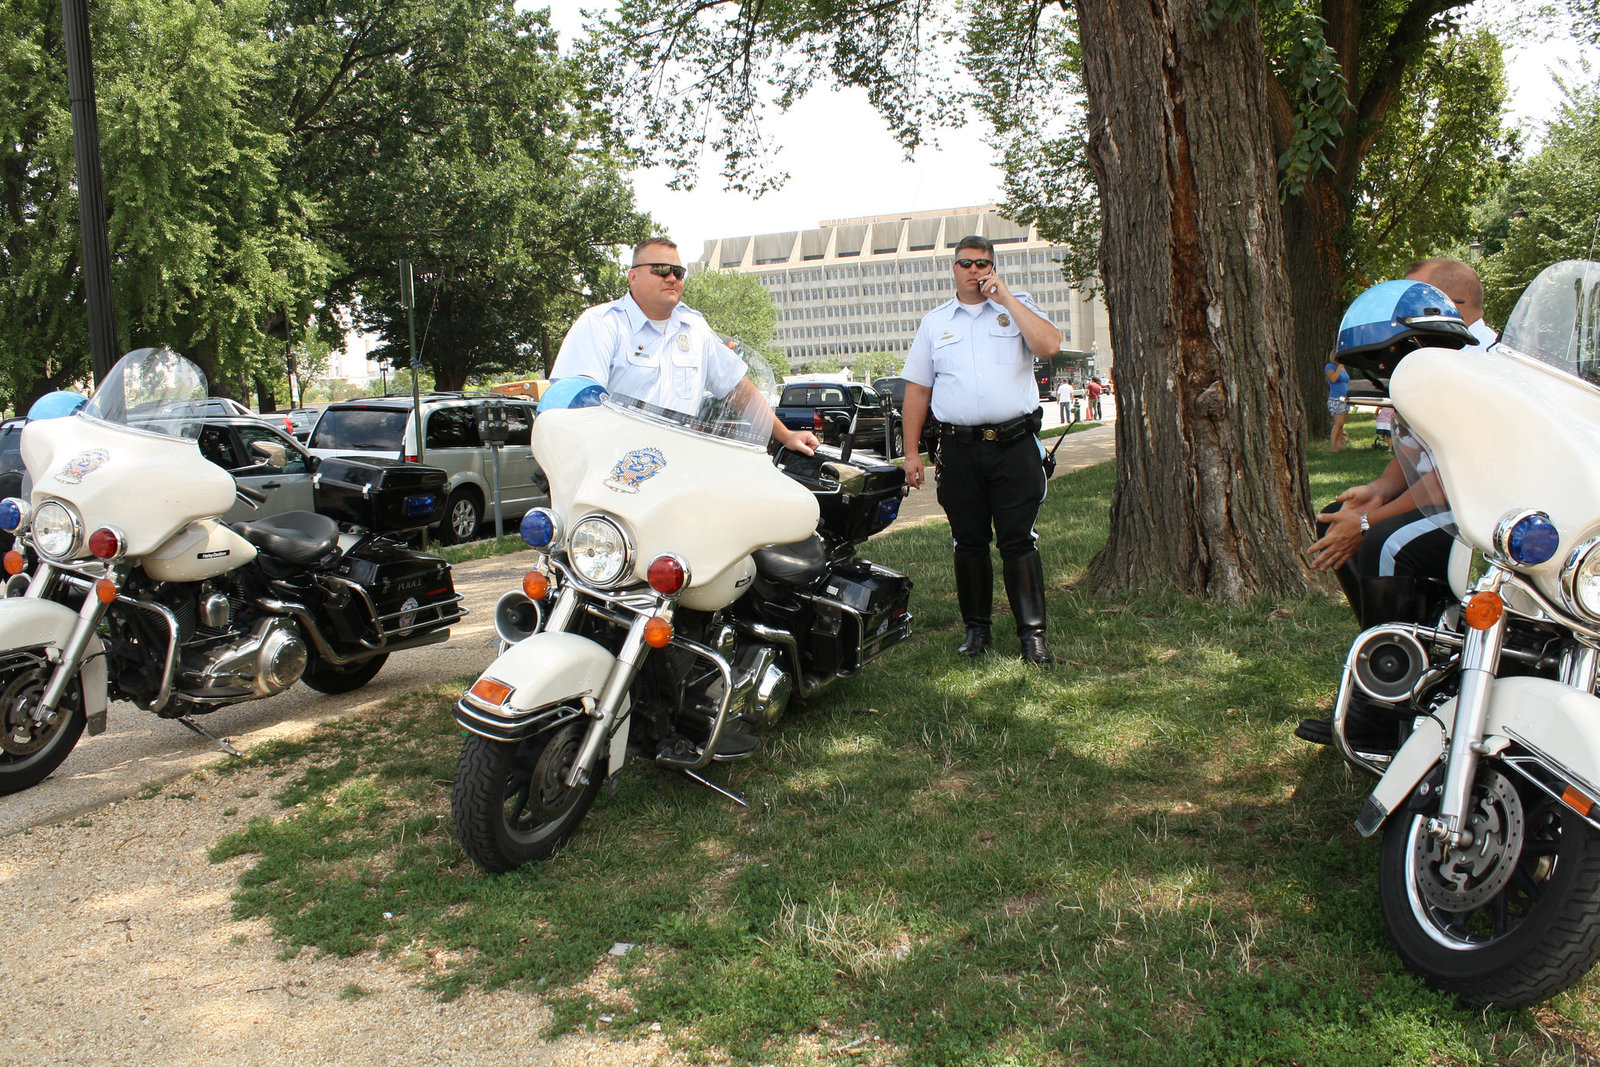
(972, 363)
(649, 346)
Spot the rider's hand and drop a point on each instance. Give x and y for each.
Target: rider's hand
(1342, 539)
(913, 469)
(804, 441)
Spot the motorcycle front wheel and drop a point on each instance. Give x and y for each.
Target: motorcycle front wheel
(1508, 921)
(29, 751)
(511, 804)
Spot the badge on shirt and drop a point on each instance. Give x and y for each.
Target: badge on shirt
(946, 335)
(683, 342)
(1004, 319)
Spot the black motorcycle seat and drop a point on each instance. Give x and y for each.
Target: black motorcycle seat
(800, 563)
(293, 536)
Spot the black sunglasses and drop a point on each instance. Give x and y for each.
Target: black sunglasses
(661, 270)
(981, 264)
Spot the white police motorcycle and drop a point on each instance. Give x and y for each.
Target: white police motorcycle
(1490, 809)
(686, 589)
(125, 583)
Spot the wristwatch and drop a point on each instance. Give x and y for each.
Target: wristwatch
(1365, 525)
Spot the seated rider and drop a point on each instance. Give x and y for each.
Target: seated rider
(1388, 555)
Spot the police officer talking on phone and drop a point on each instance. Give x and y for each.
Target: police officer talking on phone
(972, 363)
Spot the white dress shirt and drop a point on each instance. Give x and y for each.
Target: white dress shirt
(977, 362)
(670, 366)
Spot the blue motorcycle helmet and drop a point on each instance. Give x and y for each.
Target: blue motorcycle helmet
(1392, 319)
(57, 405)
(574, 392)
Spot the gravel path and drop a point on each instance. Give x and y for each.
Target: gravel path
(120, 949)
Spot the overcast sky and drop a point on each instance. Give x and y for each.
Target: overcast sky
(842, 162)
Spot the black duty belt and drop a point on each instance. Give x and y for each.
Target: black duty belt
(997, 433)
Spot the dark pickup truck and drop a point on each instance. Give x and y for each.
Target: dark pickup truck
(825, 408)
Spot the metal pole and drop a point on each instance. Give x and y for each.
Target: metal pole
(91, 188)
(408, 301)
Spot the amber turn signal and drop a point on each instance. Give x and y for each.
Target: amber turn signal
(14, 562)
(1484, 609)
(535, 585)
(490, 691)
(105, 590)
(658, 632)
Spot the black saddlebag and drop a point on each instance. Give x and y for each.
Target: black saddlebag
(861, 611)
(410, 592)
(382, 495)
(865, 504)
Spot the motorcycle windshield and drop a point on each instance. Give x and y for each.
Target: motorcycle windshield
(1416, 460)
(1557, 319)
(154, 390)
(743, 417)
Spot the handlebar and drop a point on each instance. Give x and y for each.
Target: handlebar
(254, 497)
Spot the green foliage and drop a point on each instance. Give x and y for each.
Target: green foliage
(1440, 152)
(738, 305)
(1125, 860)
(1558, 193)
(1313, 78)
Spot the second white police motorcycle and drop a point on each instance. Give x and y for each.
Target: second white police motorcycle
(687, 589)
(1490, 809)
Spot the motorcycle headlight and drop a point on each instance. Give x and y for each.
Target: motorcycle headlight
(56, 530)
(1580, 579)
(598, 551)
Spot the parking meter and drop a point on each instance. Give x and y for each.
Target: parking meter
(493, 427)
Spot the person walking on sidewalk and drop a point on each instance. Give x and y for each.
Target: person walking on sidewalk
(971, 363)
(1064, 401)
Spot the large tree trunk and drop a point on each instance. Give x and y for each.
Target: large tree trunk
(1211, 495)
(1314, 229)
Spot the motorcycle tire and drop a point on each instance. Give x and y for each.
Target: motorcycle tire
(511, 804)
(334, 679)
(1508, 922)
(29, 755)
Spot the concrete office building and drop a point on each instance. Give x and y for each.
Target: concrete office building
(861, 285)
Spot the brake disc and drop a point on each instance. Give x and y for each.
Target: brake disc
(1465, 878)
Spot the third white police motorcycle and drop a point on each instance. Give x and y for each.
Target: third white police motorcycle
(1490, 809)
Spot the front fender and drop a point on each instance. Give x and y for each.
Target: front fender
(545, 671)
(28, 622)
(1557, 725)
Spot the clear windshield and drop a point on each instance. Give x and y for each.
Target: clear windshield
(1557, 319)
(152, 389)
(1415, 459)
(744, 415)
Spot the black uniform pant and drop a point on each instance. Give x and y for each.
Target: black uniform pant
(986, 486)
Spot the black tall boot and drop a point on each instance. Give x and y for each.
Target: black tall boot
(975, 595)
(1025, 588)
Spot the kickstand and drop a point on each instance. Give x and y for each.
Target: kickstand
(736, 798)
(203, 732)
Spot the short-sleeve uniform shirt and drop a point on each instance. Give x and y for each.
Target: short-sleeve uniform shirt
(670, 367)
(976, 361)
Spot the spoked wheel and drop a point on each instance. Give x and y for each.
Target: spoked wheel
(30, 750)
(333, 679)
(1509, 920)
(511, 802)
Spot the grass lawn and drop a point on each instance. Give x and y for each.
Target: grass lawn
(1128, 859)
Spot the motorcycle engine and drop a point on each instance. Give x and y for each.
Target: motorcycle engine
(268, 659)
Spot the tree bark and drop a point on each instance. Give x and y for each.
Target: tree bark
(1212, 493)
(1315, 229)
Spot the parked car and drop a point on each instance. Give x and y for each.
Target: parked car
(453, 440)
(301, 420)
(893, 389)
(229, 441)
(826, 408)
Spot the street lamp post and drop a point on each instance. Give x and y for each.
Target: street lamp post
(91, 187)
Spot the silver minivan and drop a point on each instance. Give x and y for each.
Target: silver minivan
(458, 429)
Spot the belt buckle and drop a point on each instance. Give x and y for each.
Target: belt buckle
(989, 435)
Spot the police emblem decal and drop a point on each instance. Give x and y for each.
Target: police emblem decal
(82, 465)
(683, 342)
(634, 469)
(1004, 320)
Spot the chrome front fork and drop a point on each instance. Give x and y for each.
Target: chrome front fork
(71, 654)
(1480, 657)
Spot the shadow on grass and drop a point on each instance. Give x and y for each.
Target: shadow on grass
(1126, 859)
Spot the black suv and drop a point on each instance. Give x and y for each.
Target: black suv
(384, 426)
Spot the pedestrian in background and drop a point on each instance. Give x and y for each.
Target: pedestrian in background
(971, 363)
(1094, 389)
(1338, 402)
(1064, 401)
